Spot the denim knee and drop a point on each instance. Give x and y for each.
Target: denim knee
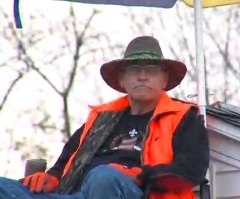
(104, 180)
(105, 175)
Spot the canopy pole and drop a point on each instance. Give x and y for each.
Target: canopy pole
(201, 88)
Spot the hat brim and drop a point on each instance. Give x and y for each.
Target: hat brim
(110, 72)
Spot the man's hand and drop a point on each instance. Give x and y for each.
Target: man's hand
(41, 182)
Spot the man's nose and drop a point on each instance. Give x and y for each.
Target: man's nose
(142, 75)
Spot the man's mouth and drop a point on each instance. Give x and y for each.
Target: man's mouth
(141, 86)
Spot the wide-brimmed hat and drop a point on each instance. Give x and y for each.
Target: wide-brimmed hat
(146, 49)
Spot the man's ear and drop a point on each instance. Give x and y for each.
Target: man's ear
(120, 80)
(166, 80)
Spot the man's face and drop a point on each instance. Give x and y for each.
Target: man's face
(143, 82)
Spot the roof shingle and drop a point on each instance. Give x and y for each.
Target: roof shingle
(226, 112)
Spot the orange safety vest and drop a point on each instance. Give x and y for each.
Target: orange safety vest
(155, 151)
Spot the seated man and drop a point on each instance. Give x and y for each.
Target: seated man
(144, 144)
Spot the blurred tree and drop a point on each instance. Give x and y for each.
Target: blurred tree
(55, 62)
(37, 52)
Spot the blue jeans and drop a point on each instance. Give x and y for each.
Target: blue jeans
(102, 182)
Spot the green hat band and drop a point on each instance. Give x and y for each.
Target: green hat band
(143, 55)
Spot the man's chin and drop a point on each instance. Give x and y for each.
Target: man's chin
(144, 97)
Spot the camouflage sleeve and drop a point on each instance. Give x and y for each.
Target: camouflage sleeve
(69, 148)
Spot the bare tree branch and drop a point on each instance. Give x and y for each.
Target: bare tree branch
(221, 51)
(79, 42)
(226, 57)
(43, 123)
(31, 65)
(73, 72)
(9, 90)
(23, 55)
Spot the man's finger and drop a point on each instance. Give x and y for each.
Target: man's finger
(34, 182)
(42, 180)
(26, 181)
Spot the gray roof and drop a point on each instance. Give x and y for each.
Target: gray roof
(226, 112)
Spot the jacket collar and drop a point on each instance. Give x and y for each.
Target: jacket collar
(165, 105)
